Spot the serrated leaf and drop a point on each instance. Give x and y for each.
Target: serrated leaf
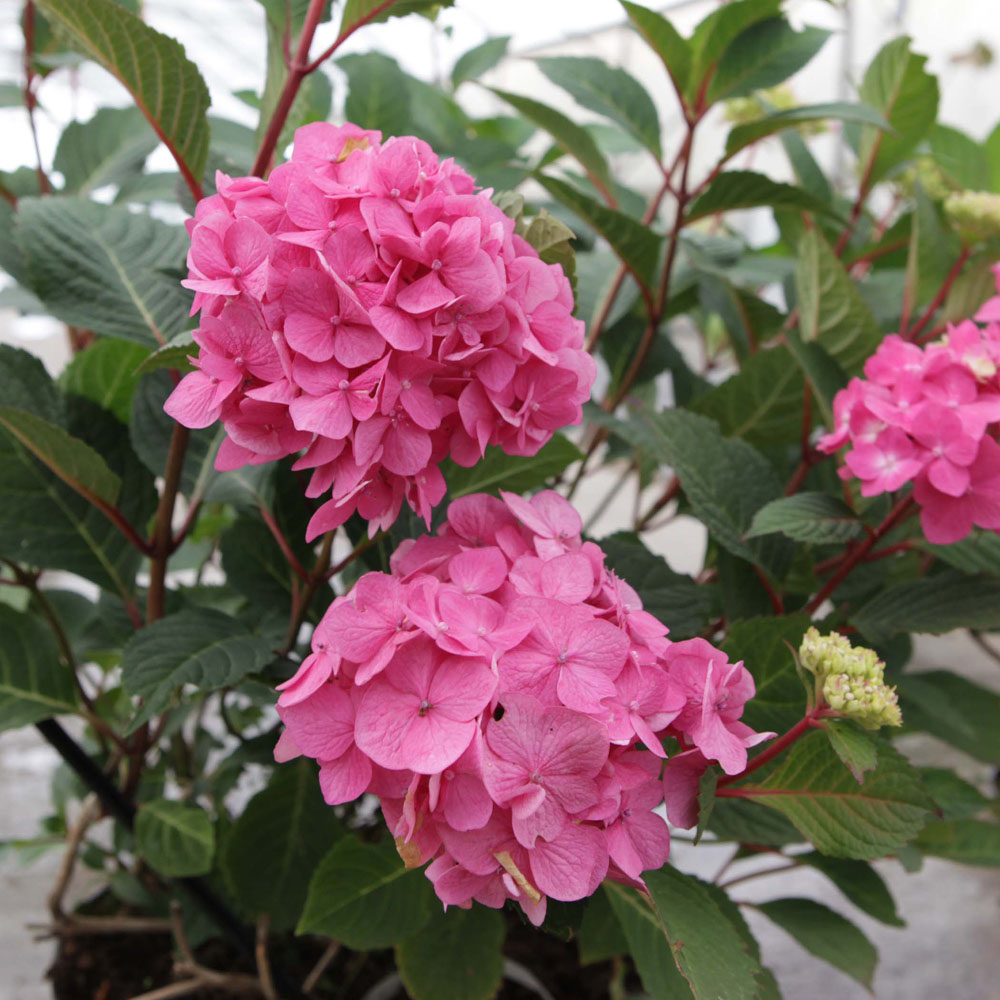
(552, 239)
(269, 854)
(33, 683)
(107, 149)
(377, 94)
(967, 841)
(831, 309)
(201, 647)
(741, 136)
(825, 934)
(762, 56)
(176, 838)
(104, 268)
(165, 85)
(608, 91)
(979, 552)
(664, 39)
(674, 598)
(762, 644)
(72, 460)
(572, 139)
(955, 797)
(817, 518)
(859, 882)
(953, 709)
(745, 822)
(363, 896)
(737, 189)
(478, 60)
(456, 955)
(842, 818)
(106, 373)
(254, 563)
(853, 746)
(515, 473)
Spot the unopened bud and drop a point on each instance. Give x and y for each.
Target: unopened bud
(975, 214)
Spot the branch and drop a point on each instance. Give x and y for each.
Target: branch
(163, 530)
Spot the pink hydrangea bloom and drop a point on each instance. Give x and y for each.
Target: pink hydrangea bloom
(367, 307)
(506, 697)
(929, 416)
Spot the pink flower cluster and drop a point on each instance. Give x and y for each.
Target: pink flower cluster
(504, 695)
(928, 415)
(366, 306)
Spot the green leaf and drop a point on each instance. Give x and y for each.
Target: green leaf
(832, 312)
(761, 403)
(824, 375)
(762, 644)
(358, 13)
(553, 241)
(674, 598)
(104, 268)
(377, 94)
(572, 139)
(852, 745)
(515, 473)
(72, 460)
(708, 950)
(955, 710)
(860, 883)
(934, 604)
(726, 481)
(842, 818)
(956, 798)
(897, 85)
(934, 248)
(456, 955)
(664, 39)
(478, 60)
(107, 149)
(826, 934)
(600, 936)
(807, 171)
(742, 136)
(269, 854)
(967, 841)
(363, 896)
(736, 189)
(745, 822)
(255, 565)
(608, 91)
(106, 373)
(201, 647)
(165, 85)
(817, 518)
(33, 683)
(764, 55)
(979, 552)
(176, 838)
(173, 354)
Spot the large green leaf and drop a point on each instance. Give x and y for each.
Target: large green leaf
(831, 309)
(358, 13)
(176, 838)
(201, 647)
(817, 518)
(611, 92)
(842, 818)
(572, 139)
(764, 55)
(955, 710)
(897, 85)
(255, 565)
(826, 934)
(104, 268)
(514, 473)
(979, 552)
(362, 895)
(269, 854)
(165, 85)
(664, 39)
(859, 882)
(935, 604)
(33, 683)
(736, 189)
(478, 60)
(955, 797)
(743, 135)
(968, 841)
(674, 598)
(763, 645)
(107, 149)
(726, 481)
(456, 955)
(962, 159)
(377, 94)
(106, 374)
(600, 935)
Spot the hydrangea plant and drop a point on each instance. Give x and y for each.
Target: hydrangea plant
(305, 545)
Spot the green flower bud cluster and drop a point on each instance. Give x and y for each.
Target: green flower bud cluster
(852, 679)
(931, 177)
(975, 214)
(742, 110)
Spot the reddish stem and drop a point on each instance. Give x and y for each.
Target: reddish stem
(777, 605)
(807, 722)
(942, 294)
(286, 549)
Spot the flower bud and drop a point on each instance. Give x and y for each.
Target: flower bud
(975, 214)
